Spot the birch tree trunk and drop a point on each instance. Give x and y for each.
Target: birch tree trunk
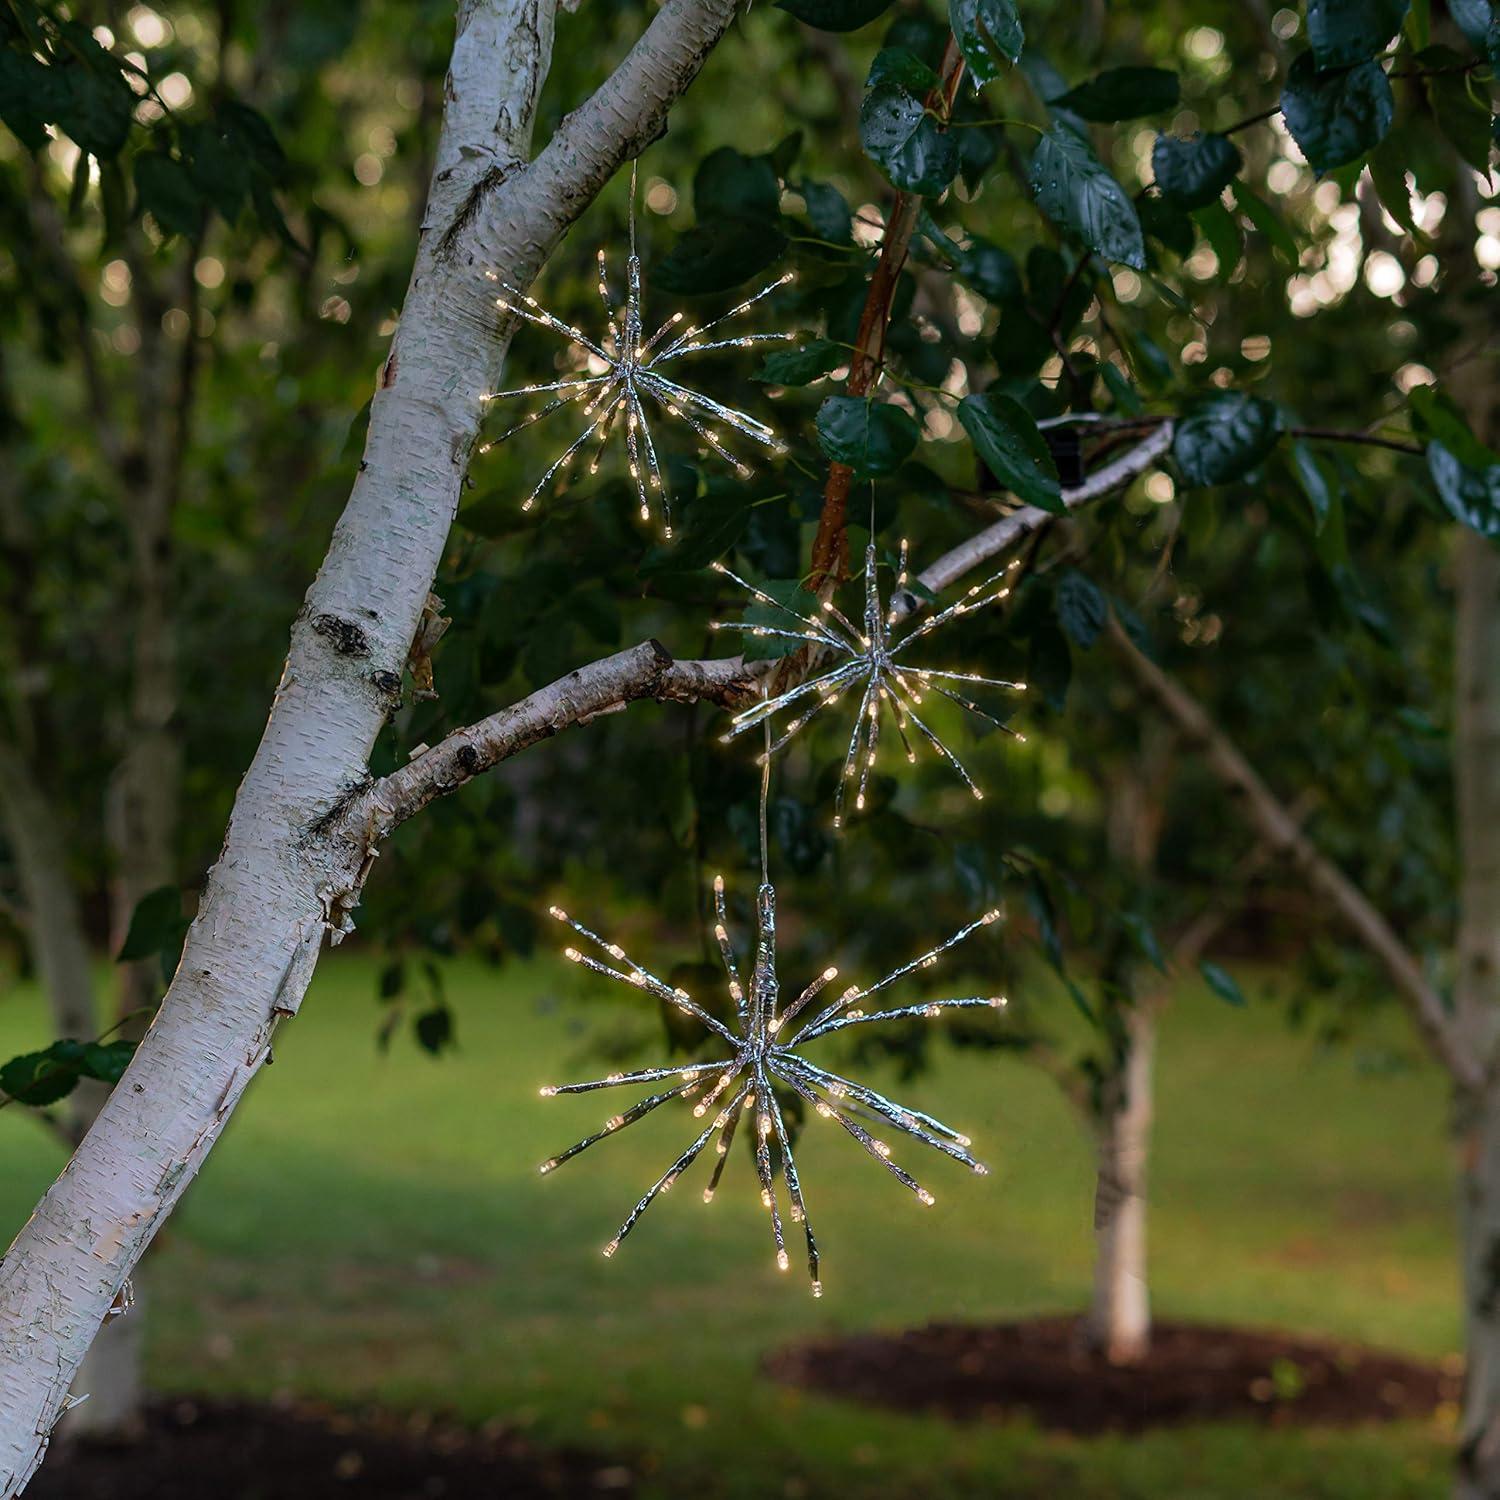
(288, 871)
(1119, 1319)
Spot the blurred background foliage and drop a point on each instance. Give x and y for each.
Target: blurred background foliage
(197, 281)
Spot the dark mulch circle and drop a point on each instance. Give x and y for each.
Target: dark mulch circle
(201, 1450)
(1039, 1370)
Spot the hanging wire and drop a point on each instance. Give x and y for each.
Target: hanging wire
(765, 798)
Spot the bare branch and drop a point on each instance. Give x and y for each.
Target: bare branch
(648, 671)
(1005, 533)
(1279, 827)
(601, 687)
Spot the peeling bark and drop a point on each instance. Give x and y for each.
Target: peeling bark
(277, 885)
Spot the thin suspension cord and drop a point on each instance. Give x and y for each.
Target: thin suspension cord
(765, 798)
(632, 207)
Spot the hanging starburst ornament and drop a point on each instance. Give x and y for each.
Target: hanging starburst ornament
(872, 659)
(623, 372)
(761, 1055)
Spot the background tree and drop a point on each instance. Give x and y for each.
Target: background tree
(964, 347)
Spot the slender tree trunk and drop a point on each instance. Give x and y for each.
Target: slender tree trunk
(1119, 1318)
(1477, 1002)
(288, 871)
(54, 927)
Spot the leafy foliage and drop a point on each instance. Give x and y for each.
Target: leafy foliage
(1005, 436)
(1072, 187)
(1223, 437)
(1338, 116)
(1193, 172)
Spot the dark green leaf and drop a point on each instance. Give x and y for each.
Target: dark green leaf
(156, 924)
(1223, 437)
(1005, 436)
(718, 255)
(1314, 483)
(827, 212)
(1044, 914)
(1167, 221)
(1073, 188)
(905, 69)
(1222, 230)
(988, 33)
(834, 15)
(906, 142)
(105, 1061)
(1460, 116)
(1436, 415)
(434, 1029)
(1336, 117)
(166, 191)
(28, 97)
(787, 591)
(1480, 23)
(42, 1078)
(219, 166)
(715, 523)
(1050, 665)
(728, 185)
(1143, 935)
(870, 437)
(989, 270)
(1264, 217)
(1194, 171)
(1352, 31)
(1222, 983)
(799, 366)
(94, 103)
(1122, 94)
(1387, 164)
(1470, 495)
(1081, 608)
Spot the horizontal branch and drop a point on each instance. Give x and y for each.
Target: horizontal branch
(1280, 828)
(649, 671)
(602, 687)
(1007, 532)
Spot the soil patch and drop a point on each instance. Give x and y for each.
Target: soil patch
(194, 1450)
(1040, 1370)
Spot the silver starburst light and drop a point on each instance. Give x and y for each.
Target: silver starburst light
(760, 1056)
(874, 658)
(623, 368)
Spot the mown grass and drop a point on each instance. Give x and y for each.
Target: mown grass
(373, 1228)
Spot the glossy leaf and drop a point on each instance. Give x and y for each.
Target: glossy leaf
(1073, 188)
(1005, 436)
(906, 142)
(871, 437)
(716, 256)
(988, 33)
(1352, 31)
(799, 366)
(1336, 117)
(1122, 94)
(1470, 495)
(1194, 171)
(1222, 983)
(1224, 437)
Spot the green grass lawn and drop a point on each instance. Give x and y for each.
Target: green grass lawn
(373, 1228)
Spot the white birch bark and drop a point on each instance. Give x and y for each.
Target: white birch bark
(282, 876)
(1119, 1319)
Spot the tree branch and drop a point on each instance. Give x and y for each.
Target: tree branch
(1279, 827)
(649, 671)
(830, 549)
